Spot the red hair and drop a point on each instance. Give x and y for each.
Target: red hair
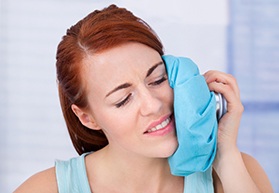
(99, 31)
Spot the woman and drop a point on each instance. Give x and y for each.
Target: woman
(117, 103)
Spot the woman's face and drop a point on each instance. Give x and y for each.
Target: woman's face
(130, 100)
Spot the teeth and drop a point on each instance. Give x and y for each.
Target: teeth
(160, 126)
(153, 129)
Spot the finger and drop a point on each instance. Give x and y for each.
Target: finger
(233, 101)
(221, 77)
(224, 89)
(215, 76)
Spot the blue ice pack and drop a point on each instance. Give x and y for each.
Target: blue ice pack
(195, 117)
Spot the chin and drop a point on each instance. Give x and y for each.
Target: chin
(168, 150)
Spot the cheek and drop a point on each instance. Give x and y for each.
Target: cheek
(168, 94)
(115, 123)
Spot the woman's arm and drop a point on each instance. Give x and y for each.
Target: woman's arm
(256, 172)
(237, 172)
(43, 182)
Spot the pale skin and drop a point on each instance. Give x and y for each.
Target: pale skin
(136, 159)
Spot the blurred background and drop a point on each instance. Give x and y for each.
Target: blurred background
(240, 37)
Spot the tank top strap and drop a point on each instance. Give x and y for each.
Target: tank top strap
(71, 175)
(199, 182)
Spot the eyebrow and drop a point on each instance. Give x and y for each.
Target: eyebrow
(126, 85)
(122, 86)
(149, 72)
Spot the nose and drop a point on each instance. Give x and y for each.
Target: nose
(150, 102)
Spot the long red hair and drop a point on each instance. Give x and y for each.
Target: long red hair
(99, 31)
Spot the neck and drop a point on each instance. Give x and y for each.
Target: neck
(132, 172)
(137, 166)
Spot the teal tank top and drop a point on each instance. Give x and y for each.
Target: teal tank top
(71, 177)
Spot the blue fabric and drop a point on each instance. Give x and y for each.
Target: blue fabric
(72, 178)
(195, 117)
(199, 182)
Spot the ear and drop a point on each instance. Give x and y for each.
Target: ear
(85, 118)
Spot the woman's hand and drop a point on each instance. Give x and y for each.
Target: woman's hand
(228, 125)
(228, 163)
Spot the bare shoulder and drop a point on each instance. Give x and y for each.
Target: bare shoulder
(44, 182)
(256, 172)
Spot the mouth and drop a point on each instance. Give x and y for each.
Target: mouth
(161, 126)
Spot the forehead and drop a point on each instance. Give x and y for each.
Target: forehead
(118, 65)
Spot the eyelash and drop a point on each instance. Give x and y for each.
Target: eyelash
(157, 82)
(127, 99)
(123, 102)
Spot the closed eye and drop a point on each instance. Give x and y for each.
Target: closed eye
(158, 82)
(124, 101)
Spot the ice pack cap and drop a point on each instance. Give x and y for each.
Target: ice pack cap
(195, 117)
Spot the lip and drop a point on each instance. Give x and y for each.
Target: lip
(167, 129)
